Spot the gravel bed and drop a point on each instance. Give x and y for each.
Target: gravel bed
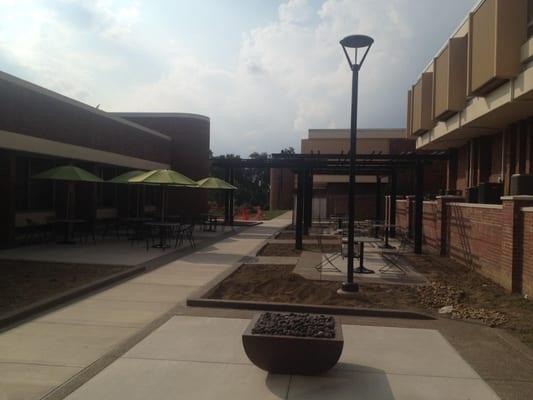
(294, 324)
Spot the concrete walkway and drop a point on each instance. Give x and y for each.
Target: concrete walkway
(39, 356)
(194, 357)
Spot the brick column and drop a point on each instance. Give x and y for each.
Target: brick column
(442, 220)
(512, 241)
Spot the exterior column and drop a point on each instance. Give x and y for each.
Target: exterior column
(419, 207)
(7, 199)
(512, 240)
(392, 203)
(308, 201)
(442, 220)
(451, 170)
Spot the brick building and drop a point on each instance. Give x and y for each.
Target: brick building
(474, 100)
(40, 129)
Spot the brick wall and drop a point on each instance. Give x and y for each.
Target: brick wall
(527, 250)
(402, 214)
(475, 238)
(431, 230)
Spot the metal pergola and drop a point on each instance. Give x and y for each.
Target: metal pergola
(307, 165)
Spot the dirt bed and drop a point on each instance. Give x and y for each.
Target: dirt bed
(288, 250)
(277, 283)
(471, 296)
(23, 283)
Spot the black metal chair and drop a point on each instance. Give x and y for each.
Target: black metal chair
(185, 233)
(392, 257)
(142, 233)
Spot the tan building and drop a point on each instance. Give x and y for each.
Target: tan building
(474, 99)
(330, 192)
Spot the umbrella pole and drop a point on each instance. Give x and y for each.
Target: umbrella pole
(163, 195)
(138, 200)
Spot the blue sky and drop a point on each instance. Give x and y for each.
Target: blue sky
(264, 71)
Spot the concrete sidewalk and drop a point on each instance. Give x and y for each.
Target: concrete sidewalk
(39, 356)
(194, 357)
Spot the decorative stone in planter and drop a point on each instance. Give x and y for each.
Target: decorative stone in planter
(291, 343)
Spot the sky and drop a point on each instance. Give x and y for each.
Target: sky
(264, 71)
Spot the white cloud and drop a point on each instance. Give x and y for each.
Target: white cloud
(289, 76)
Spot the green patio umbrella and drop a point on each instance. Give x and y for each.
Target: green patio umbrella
(67, 173)
(164, 178)
(215, 183)
(70, 174)
(124, 179)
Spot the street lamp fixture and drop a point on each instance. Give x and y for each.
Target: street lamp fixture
(359, 45)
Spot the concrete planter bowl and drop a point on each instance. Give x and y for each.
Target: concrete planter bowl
(301, 355)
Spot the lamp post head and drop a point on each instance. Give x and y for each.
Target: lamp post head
(356, 42)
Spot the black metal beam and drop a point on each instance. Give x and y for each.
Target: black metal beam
(299, 210)
(419, 207)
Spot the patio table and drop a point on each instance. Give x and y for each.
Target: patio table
(164, 228)
(361, 240)
(69, 224)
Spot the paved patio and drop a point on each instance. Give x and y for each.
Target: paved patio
(109, 251)
(138, 340)
(203, 358)
(38, 356)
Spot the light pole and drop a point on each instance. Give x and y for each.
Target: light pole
(363, 43)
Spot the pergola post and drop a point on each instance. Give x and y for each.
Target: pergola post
(377, 215)
(308, 202)
(299, 210)
(419, 206)
(392, 211)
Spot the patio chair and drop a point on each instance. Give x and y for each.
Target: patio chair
(142, 233)
(33, 232)
(392, 257)
(185, 233)
(86, 230)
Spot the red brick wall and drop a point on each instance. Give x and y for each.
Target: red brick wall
(402, 214)
(527, 250)
(474, 239)
(431, 230)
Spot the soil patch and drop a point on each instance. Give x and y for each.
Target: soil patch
(288, 250)
(277, 283)
(23, 283)
(471, 296)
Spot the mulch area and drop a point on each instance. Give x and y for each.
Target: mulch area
(23, 283)
(472, 296)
